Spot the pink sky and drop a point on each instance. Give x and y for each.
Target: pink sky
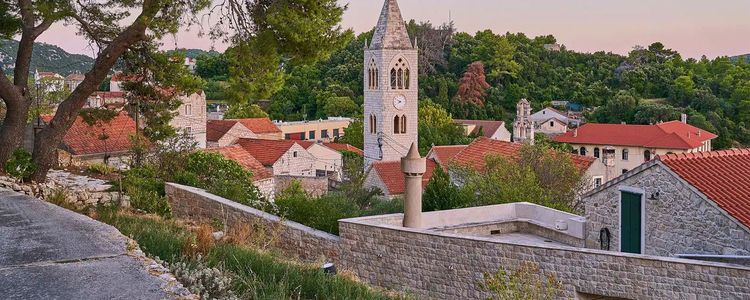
(693, 27)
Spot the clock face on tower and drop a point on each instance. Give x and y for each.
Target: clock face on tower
(399, 102)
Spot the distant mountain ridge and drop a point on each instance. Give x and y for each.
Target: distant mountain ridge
(738, 57)
(45, 57)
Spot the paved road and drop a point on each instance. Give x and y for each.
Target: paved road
(47, 252)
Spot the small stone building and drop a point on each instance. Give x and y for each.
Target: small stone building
(104, 142)
(691, 205)
(222, 133)
(490, 129)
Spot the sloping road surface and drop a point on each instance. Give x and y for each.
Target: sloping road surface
(47, 252)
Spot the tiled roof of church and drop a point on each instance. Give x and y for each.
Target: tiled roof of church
(390, 32)
(488, 127)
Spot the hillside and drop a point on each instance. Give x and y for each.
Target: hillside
(45, 57)
(738, 57)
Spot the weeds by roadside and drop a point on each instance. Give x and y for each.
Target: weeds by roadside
(207, 265)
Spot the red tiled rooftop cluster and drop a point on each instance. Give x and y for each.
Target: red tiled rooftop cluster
(394, 180)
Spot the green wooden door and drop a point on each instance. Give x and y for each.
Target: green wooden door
(630, 223)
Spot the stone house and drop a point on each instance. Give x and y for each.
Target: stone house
(262, 178)
(551, 126)
(49, 81)
(690, 205)
(73, 80)
(329, 162)
(281, 157)
(105, 142)
(191, 117)
(222, 133)
(106, 100)
(490, 129)
(623, 147)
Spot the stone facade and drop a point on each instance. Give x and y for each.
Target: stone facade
(389, 51)
(192, 117)
(80, 191)
(680, 221)
(295, 162)
(523, 127)
(435, 265)
(442, 265)
(315, 186)
(289, 237)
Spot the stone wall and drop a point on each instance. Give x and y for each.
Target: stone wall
(436, 265)
(439, 265)
(315, 186)
(80, 191)
(289, 237)
(492, 228)
(680, 221)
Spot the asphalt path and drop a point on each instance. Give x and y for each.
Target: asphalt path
(47, 252)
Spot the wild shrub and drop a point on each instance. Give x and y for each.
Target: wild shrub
(202, 241)
(322, 213)
(203, 280)
(101, 169)
(525, 283)
(20, 165)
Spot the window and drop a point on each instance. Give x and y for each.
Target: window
(374, 124)
(597, 153)
(647, 155)
(188, 109)
(324, 133)
(403, 124)
(583, 151)
(312, 134)
(551, 123)
(393, 78)
(372, 76)
(335, 132)
(294, 154)
(400, 79)
(625, 154)
(406, 79)
(396, 124)
(287, 136)
(598, 181)
(624, 171)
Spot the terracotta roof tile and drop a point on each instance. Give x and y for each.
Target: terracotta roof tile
(720, 175)
(488, 127)
(394, 180)
(266, 152)
(474, 155)
(82, 139)
(260, 125)
(669, 135)
(238, 154)
(216, 129)
(444, 154)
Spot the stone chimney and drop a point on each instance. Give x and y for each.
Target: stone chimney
(683, 118)
(575, 132)
(413, 167)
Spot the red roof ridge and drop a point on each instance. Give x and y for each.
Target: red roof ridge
(706, 154)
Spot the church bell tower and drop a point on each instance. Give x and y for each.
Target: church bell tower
(390, 85)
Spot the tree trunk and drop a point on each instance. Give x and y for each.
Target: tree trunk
(12, 130)
(49, 138)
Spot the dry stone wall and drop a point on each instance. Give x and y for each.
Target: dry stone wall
(80, 191)
(289, 237)
(442, 265)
